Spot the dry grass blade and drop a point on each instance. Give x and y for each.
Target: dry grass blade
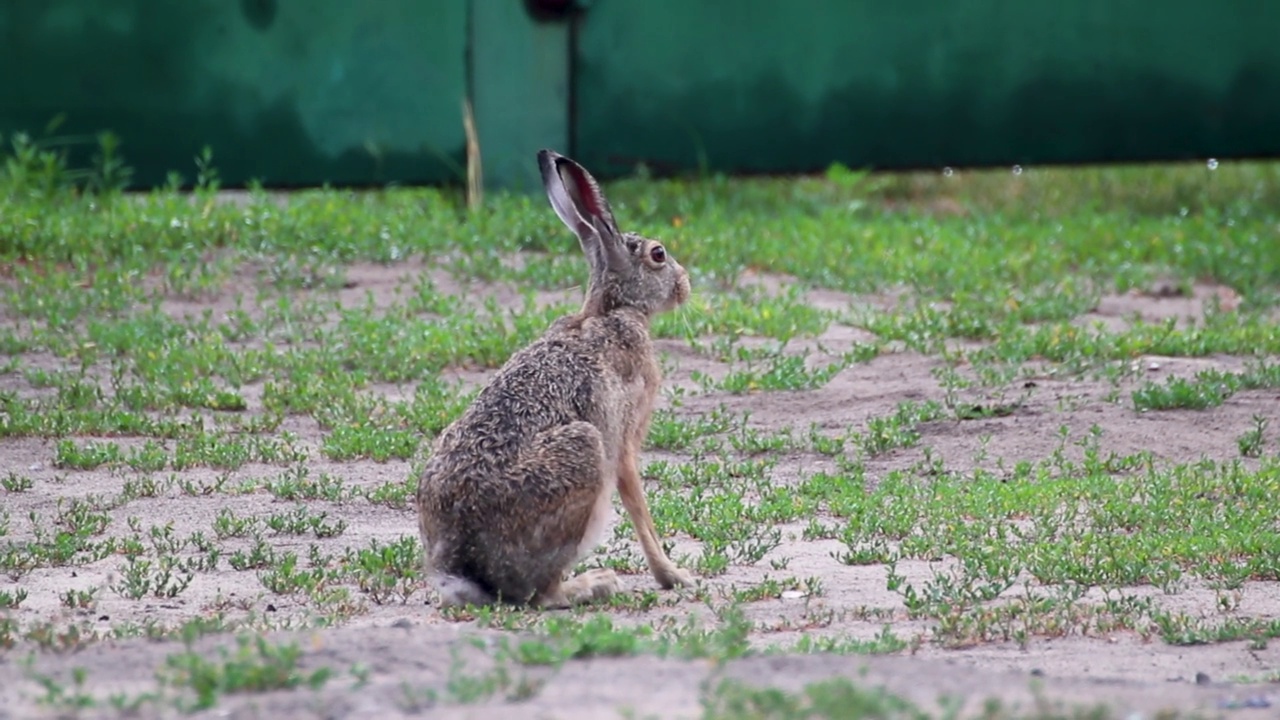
(475, 170)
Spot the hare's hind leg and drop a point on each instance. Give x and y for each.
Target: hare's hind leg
(562, 480)
(588, 587)
(441, 566)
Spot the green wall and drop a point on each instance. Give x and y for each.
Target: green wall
(520, 78)
(313, 91)
(287, 91)
(760, 85)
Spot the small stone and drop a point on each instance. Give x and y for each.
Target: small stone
(402, 624)
(1202, 678)
(792, 594)
(1037, 672)
(35, 466)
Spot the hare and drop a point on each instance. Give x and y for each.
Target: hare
(520, 486)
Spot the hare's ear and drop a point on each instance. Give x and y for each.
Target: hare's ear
(577, 199)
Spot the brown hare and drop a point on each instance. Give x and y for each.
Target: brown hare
(519, 488)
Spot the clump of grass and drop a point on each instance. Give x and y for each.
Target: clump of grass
(1208, 389)
(255, 666)
(1250, 443)
(826, 699)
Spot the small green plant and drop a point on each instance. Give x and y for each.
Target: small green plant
(1180, 393)
(259, 555)
(897, 430)
(387, 571)
(79, 599)
(285, 576)
(301, 521)
(16, 483)
(254, 666)
(1209, 388)
(838, 698)
(1250, 443)
(228, 525)
(59, 697)
(86, 457)
(166, 577)
(12, 599)
(42, 167)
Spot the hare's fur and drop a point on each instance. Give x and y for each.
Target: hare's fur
(520, 487)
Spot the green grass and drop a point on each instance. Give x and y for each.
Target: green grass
(843, 698)
(168, 350)
(255, 666)
(827, 699)
(1209, 388)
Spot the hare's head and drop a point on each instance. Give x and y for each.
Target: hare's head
(627, 270)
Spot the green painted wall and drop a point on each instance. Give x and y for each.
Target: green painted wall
(286, 91)
(520, 90)
(760, 85)
(313, 91)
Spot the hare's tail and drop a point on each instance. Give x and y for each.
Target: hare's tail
(456, 591)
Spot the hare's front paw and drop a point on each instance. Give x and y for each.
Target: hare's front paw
(673, 576)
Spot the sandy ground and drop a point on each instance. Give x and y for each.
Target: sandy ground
(408, 647)
(406, 663)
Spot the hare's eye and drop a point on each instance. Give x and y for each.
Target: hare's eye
(657, 254)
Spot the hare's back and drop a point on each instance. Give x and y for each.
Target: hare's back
(546, 384)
